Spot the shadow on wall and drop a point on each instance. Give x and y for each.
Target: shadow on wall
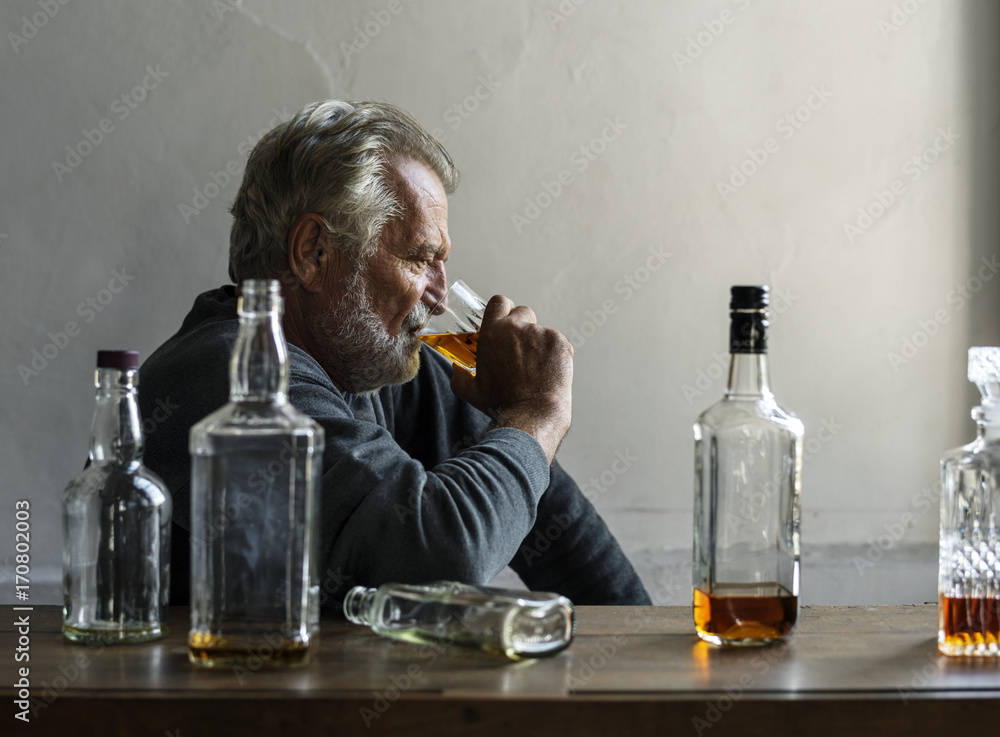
(982, 60)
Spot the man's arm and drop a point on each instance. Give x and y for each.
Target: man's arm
(386, 516)
(569, 549)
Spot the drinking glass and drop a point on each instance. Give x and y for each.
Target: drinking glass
(453, 329)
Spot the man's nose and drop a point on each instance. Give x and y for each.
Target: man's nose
(437, 289)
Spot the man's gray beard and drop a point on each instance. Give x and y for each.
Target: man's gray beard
(356, 346)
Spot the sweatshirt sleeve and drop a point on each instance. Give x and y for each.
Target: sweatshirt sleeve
(389, 516)
(569, 548)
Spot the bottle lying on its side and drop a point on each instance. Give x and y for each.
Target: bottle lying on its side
(518, 624)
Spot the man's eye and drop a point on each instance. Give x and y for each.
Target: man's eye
(427, 261)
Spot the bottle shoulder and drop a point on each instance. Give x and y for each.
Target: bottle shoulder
(154, 487)
(979, 453)
(732, 413)
(237, 418)
(112, 481)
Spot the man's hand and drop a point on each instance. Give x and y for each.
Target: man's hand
(524, 374)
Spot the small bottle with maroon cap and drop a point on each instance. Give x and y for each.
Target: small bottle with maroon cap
(116, 522)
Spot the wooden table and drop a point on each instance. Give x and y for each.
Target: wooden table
(630, 671)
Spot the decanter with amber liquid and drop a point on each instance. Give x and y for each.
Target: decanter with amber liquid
(968, 563)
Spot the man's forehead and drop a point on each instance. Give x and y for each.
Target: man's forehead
(416, 183)
(424, 219)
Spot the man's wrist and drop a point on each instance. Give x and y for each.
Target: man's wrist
(548, 422)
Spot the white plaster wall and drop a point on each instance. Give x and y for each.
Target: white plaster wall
(681, 92)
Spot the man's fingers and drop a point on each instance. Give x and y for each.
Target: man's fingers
(500, 307)
(497, 308)
(524, 313)
(462, 382)
(464, 385)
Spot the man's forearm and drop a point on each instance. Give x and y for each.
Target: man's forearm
(571, 551)
(387, 519)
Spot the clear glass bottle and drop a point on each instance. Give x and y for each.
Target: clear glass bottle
(969, 550)
(748, 477)
(256, 466)
(518, 624)
(116, 522)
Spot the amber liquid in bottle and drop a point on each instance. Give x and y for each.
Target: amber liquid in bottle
(753, 611)
(968, 565)
(968, 623)
(214, 651)
(458, 347)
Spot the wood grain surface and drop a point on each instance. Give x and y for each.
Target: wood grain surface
(634, 670)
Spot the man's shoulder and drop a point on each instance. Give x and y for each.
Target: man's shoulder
(211, 325)
(183, 380)
(198, 354)
(310, 388)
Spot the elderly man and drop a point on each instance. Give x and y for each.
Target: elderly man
(429, 472)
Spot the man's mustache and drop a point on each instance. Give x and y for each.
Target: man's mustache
(417, 318)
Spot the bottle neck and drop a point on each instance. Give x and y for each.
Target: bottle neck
(748, 375)
(258, 369)
(116, 433)
(987, 417)
(358, 605)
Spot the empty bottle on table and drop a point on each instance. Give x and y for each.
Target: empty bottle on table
(518, 624)
(256, 465)
(116, 522)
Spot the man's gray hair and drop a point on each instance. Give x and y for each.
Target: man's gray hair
(331, 159)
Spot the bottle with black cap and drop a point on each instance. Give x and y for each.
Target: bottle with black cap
(748, 469)
(116, 522)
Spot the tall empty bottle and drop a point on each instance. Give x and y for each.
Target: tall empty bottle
(116, 522)
(255, 473)
(969, 551)
(748, 469)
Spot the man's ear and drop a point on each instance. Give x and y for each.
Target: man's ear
(309, 251)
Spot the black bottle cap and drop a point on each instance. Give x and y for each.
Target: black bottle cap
(121, 360)
(748, 319)
(749, 298)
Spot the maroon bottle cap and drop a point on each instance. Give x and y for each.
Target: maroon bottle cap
(121, 360)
